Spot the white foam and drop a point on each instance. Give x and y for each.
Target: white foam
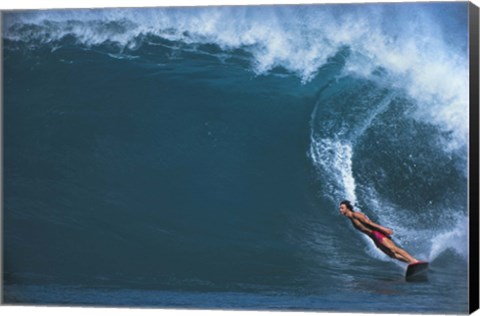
(334, 159)
(454, 238)
(413, 50)
(430, 72)
(407, 41)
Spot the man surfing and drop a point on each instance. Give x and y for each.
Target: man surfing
(379, 234)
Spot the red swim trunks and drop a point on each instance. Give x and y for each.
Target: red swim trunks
(377, 237)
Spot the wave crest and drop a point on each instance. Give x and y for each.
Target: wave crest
(403, 47)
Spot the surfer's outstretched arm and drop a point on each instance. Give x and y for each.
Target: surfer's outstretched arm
(365, 220)
(385, 244)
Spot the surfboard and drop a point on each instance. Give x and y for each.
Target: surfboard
(417, 271)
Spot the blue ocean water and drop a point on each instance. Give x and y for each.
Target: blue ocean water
(195, 157)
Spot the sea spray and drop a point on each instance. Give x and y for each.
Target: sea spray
(453, 238)
(326, 153)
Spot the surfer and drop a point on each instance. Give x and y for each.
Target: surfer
(379, 234)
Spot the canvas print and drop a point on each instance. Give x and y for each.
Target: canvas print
(281, 157)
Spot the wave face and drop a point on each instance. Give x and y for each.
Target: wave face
(206, 150)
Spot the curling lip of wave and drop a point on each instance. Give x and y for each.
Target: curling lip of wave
(418, 60)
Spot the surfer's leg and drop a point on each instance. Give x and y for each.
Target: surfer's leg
(396, 252)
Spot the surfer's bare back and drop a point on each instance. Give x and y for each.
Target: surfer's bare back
(379, 234)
